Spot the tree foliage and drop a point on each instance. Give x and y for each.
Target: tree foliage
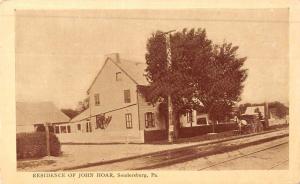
(203, 76)
(70, 112)
(280, 109)
(243, 107)
(81, 106)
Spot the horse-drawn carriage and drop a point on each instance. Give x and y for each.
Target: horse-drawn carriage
(250, 124)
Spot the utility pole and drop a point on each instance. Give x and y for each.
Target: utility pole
(170, 106)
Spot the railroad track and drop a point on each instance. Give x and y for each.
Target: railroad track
(179, 156)
(250, 154)
(279, 164)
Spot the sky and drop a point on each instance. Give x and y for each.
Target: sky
(58, 53)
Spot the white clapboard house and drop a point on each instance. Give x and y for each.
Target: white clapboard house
(117, 111)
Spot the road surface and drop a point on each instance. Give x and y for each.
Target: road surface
(268, 155)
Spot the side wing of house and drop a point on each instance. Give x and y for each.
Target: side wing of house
(150, 118)
(33, 116)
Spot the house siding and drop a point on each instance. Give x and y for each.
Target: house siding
(111, 92)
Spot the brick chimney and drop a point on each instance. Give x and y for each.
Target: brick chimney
(113, 56)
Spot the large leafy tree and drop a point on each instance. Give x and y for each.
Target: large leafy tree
(280, 109)
(223, 84)
(202, 75)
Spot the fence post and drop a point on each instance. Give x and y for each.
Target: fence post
(47, 138)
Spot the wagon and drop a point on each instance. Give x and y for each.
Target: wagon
(254, 125)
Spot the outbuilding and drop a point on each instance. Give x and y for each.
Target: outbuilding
(33, 116)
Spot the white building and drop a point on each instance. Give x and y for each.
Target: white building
(117, 111)
(32, 116)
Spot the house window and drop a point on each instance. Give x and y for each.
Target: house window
(128, 120)
(63, 129)
(79, 127)
(51, 128)
(97, 99)
(127, 96)
(57, 129)
(69, 129)
(118, 76)
(201, 121)
(189, 117)
(149, 120)
(88, 127)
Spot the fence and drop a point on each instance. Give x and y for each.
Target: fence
(155, 135)
(185, 132)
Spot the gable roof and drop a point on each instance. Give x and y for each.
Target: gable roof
(83, 115)
(134, 70)
(35, 113)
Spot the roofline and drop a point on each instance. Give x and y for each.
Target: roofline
(125, 72)
(18, 108)
(79, 114)
(106, 60)
(97, 75)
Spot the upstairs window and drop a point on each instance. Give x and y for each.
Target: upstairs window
(118, 76)
(128, 120)
(127, 96)
(149, 120)
(97, 99)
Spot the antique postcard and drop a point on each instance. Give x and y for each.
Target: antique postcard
(134, 95)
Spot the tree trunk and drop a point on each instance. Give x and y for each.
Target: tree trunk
(213, 121)
(213, 126)
(210, 111)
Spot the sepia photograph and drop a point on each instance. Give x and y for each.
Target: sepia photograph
(161, 90)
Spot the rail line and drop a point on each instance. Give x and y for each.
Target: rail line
(174, 157)
(245, 155)
(279, 164)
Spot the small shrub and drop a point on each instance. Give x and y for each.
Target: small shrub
(33, 145)
(54, 145)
